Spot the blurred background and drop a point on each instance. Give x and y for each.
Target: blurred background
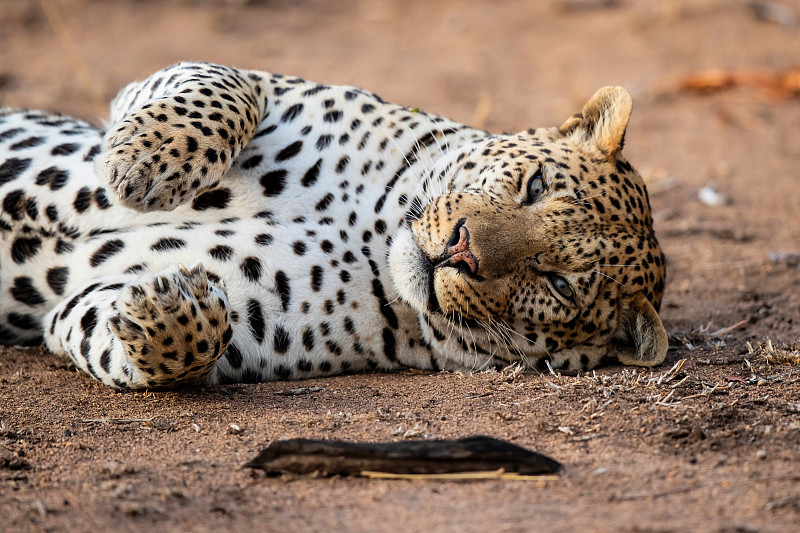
(716, 86)
(509, 63)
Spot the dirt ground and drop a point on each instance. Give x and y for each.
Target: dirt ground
(711, 445)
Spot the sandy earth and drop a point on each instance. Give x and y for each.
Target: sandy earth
(712, 446)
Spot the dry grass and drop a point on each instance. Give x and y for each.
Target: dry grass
(772, 355)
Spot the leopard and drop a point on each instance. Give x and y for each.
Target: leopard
(236, 226)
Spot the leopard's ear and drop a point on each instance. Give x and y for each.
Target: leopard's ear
(602, 121)
(640, 338)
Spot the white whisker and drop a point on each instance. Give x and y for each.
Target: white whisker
(607, 276)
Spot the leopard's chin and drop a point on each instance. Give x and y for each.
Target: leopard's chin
(412, 273)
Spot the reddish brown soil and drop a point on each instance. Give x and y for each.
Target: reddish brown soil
(719, 454)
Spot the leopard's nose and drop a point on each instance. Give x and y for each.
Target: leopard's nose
(457, 254)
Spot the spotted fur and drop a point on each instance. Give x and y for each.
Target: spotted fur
(325, 231)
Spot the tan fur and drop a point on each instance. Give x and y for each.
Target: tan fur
(603, 120)
(643, 331)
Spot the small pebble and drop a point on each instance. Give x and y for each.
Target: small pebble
(40, 508)
(761, 454)
(710, 197)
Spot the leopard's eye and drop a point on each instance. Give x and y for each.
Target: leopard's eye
(561, 286)
(535, 187)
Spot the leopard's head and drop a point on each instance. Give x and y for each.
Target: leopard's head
(540, 249)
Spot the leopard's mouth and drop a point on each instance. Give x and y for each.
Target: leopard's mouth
(414, 276)
(433, 300)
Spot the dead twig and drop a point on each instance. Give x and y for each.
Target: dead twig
(782, 85)
(428, 457)
(670, 374)
(724, 331)
(459, 476)
(664, 403)
(708, 391)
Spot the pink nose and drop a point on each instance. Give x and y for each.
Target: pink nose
(458, 255)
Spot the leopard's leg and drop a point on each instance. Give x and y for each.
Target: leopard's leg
(162, 329)
(177, 133)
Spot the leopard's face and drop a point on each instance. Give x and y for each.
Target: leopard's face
(540, 248)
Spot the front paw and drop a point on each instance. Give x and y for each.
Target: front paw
(164, 155)
(174, 325)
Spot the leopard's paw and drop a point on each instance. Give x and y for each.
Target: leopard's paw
(162, 156)
(174, 325)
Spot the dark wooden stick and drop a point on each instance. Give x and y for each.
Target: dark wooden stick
(471, 454)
